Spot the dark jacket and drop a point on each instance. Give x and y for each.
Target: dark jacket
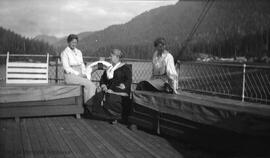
(121, 75)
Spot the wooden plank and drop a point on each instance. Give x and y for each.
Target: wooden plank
(144, 119)
(11, 139)
(65, 101)
(17, 143)
(78, 136)
(24, 64)
(26, 144)
(27, 70)
(46, 146)
(34, 139)
(158, 144)
(40, 111)
(70, 138)
(2, 138)
(58, 135)
(18, 81)
(83, 136)
(100, 138)
(7, 140)
(138, 151)
(27, 76)
(124, 145)
(97, 148)
(142, 140)
(54, 148)
(95, 140)
(104, 133)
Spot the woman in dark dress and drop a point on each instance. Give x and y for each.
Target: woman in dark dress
(115, 86)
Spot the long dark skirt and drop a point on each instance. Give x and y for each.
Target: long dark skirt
(111, 106)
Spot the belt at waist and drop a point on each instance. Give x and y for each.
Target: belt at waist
(76, 68)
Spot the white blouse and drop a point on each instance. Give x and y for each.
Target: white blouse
(164, 65)
(71, 59)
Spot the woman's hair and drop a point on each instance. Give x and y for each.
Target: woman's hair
(72, 37)
(118, 53)
(160, 40)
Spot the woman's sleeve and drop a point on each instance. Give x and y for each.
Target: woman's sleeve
(82, 65)
(128, 79)
(171, 71)
(153, 57)
(103, 79)
(66, 66)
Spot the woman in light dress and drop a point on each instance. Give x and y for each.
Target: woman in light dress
(74, 68)
(164, 75)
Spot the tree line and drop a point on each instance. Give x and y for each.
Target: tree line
(16, 44)
(250, 45)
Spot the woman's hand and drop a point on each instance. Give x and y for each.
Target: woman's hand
(175, 92)
(104, 87)
(121, 86)
(82, 75)
(109, 91)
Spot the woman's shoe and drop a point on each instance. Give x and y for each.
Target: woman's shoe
(114, 122)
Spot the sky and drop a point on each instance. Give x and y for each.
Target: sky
(59, 18)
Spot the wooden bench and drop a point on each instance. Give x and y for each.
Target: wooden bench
(26, 72)
(27, 92)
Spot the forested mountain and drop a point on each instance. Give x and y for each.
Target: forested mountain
(14, 43)
(62, 43)
(47, 39)
(230, 27)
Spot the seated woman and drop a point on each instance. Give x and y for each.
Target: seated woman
(164, 75)
(115, 87)
(74, 68)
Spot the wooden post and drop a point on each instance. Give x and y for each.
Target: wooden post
(267, 40)
(7, 65)
(17, 119)
(244, 82)
(56, 69)
(48, 66)
(78, 116)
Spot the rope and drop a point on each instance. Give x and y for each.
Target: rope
(202, 15)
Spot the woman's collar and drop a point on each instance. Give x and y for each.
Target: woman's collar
(72, 50)
(120, 64)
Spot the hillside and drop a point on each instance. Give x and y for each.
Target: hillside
(15, 43)
(62, 42)
(47, 39)
(225, 20)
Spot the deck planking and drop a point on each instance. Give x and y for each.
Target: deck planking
(58, 137)
(70, 138)
(93, 143)
(127, 148)
(155, 147)
(65, 150)
(25, 141)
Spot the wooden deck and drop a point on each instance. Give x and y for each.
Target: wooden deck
(71, 137)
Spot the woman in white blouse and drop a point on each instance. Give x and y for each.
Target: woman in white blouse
(164, 75)
(74, 68)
